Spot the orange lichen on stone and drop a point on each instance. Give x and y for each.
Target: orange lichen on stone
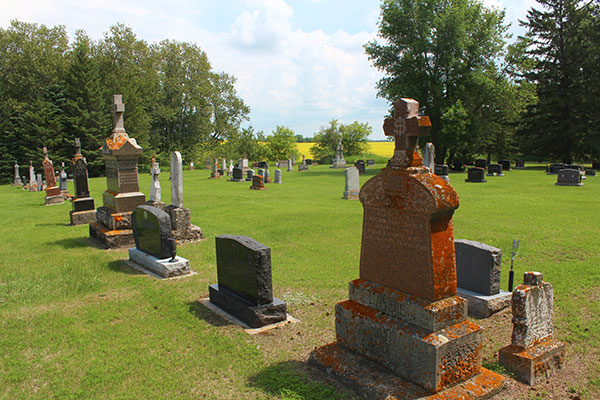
(118, 232)
(116, 141)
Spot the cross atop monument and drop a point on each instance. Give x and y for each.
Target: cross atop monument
(405, 127)
(118, 109)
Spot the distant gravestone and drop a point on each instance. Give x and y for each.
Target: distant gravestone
(266, 175)
(476, 175)
(303, 166)
(155, 189)
(40, 183)
(569, 177)
(478, 278)
(263, 165)
(458, 165)
(442, 172)
(590, 172)
(62, 179)
(352, 184)
(155, 248)
(520, 164)
(191, 166)
(207, 163)
(293, 159)
(176, 179)
(277, 176)
(224, 168)
(238, 175)
(505, 164)
(596, 165)
(244, 286)
(53, 195)
(360, 166)
(230, 169)
(309, 161)
(429, 156)
(257, 183)
(33, 185)
(495, 170)
(84, 209)
(339, 161)
(553, 169)
(481, 163)
(249, 175)
(289, 165)
(370, 162)
(533, 354)
(17, 181)
(215, 174)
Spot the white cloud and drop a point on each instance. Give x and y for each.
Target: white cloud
(263, 27)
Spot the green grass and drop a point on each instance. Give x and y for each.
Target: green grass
(75, 324)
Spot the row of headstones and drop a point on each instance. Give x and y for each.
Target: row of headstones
(35, 182)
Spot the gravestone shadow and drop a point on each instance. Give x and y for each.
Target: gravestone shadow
(73, 243)
(122, 267)
(198, 310)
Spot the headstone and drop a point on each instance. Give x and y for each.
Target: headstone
(266, 176)
(569, 177)
(261, 172)
(155, 189)
(505, 164)
(176, 179)
(294, 159)
(519, 164)
(224, 168)
(481, 163)
(370, 162)
(277, 176)
(230, 169)
(309, 161)
(476, 175)
(122, 195)
(17, 181)
(244, 288)
(207, 163)
(495, 170)
(478, 278)
(289, 165)
(155, 248)
(263, 165)
(40, 183)
(596, 165)
(238, 175)
(83, 207)
(404, 333)
(33, 185)
(257, 182)
(429, 157)
(53, 195)
(303, 166)
(360, 165)
(590, 172)
(442, 172)
(553, 169)
(244, 165)
(533, 354)
(352, 183)
(63, 179)
(215, 174)
(339, 161)
(191, 165)
(458, 165)
(249, 175)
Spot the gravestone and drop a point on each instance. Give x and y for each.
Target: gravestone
(238, 175)
(155, 249)
(257, 183)
(309, 161)
(207, 163)
(261, 172)
(63, 180)
(303, 166)
(224, 166)
(476, 175)
(569, 177)
(244, 165)
(122, 195)
(294, 159)
(360, 166)
(481, 163)
(352, 184)
(53, 195)
(505, 164)
(458, 165)
(429, 157)
(181, 227)
(339, 161)
(249, 175)
(277, 176)
(403, 333)
(244, 287)
(263, 165)
(442, 172)
(191, 165)
(83, 207)
(33, 185)
(590, 172)
(230, 168)
(215, 174)
(520, 164)
(596, 165)
(17, 181)
(155, 189)
(266, 175)
(478, 278)
(533, 354)
(289, 165)
(553, 169)
(495, 170)
(40, 183)
(370, 162)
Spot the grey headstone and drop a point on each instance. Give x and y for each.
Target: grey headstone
(532, 307)
(277, 176)
(478, 267)
(151, 230)
(249, 175)
(429, 157)
(352, 183)
(176, 179)
(289, 165)
(40, 183)
(155, 189)
(62, 179)
(569, 177)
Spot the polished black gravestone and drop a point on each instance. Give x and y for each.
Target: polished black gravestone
(520, 164)
(495, 170)
(505, 164)
(569, 177)
(360, 165)
(553, 169)
(152, 231)
(476, 175)
(481, 163)
(263, 165)
(458, 165)
(370, 162)
(238, 175)
(245, 288)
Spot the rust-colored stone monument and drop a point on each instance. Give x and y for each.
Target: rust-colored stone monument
(53, 195)
(122, 195)
(403, 312)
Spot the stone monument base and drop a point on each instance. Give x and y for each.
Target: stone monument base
(121, 202)
(164, 268)
(50, 200)
(302, 168)
(534, 363)
(82, 217)
(111, 239)
(214, 175)
(351, 195)
(257, 187)
(569, 184)
(252, 315)
(373, 382)
(181, 228)
(338, 164)
(236, 180)
(481, 305)
(83, 204)
(158, 204)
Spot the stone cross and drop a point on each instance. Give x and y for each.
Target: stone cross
(155, 189)
(340, 150)
(176, 180)
(118, 109)
(77, 146)
(405, 127)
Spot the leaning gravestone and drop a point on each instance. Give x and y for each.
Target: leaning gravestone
(155, 248)
(352, 184)
(533, 354)
(478, 278)
(429, 157)
(277, 176)
(476, 175)
(83, 211)
(403, 333)
(122, 195)
(569, 177)
(17, 181)
(244, 288)
(495, 170)
(53, 195)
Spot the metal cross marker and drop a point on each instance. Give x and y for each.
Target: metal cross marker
(405, 127)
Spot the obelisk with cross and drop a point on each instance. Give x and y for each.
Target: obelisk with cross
(403, 312)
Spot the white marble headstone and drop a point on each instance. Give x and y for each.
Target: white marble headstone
(176, 179)
(429, 157)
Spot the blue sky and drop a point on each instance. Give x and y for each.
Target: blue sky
(298, 63)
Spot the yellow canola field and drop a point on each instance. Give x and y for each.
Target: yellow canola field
(384, 149)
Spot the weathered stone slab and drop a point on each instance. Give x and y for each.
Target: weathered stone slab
(238, 175)
(532, 305)
(478, 266)
(277, 176)
(176, 179)
(113, 220)
(534, 364)
(82, 217)
(56, 199)
(111, 239)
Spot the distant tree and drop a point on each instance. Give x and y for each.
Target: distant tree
(302, 139)
(282, 144)
(354, 139)
(245, 140)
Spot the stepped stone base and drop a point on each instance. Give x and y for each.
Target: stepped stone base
(164, 268)
(82, 217)
(111, 239)
(373, 382)
(51, 200)
(483, 306)
(535, 363)
(181, 228)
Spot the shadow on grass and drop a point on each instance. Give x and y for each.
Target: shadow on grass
(198, 310)
(120, 266)
(291, 380)
(72, 243)
(55, 224)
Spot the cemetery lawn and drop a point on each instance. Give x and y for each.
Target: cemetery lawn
(76, 323)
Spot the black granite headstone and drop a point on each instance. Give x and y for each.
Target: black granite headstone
(263, 165)
(441, 170)
(360, 165)
(80, 177)
(238, 175)
(481, 163)
(152, 231)
(370, 162)
(309, 161)
(554, 168)
(505, 164)
(495, 169)
(569, 177)
(519, 164)
(478, 267)
(476, 175)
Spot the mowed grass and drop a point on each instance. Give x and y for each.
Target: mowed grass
(75, 323)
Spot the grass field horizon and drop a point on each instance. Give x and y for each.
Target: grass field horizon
(76, 323)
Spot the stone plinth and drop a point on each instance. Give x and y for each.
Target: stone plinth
(181, 227)
(165, 268)
(482, 305)
(535, 363)
(56, 199)
(82, 217)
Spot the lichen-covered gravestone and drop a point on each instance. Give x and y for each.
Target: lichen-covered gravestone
(215, 174)
(403, 312)
(533, 354)
(53, 195)
(83, 211)
(244, 288)
(257, 183)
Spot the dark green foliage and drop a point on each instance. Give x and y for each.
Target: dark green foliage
(354, 139)
(282, 144)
